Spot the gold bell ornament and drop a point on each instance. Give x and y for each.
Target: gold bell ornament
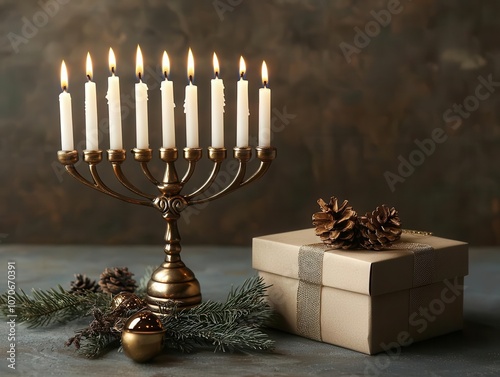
(142, 336)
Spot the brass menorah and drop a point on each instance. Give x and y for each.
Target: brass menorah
(172, 280)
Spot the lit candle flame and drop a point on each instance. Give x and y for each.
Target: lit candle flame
(216, 66)
(89, 67)
(139, 64)
(190, 66)
(265, 78)
(64, 76)
(165, 64)
(243, 67)
(112, 61)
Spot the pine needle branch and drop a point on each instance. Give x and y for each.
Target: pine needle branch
(95, 346)
(52, 306)
(101, 335)
(233, 325)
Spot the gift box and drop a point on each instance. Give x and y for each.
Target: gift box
(368, 301)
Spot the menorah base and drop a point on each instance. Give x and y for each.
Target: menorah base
(173, 281)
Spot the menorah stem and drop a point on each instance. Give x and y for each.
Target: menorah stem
(172, 280)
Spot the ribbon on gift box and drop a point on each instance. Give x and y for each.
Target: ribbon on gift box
(310, 263)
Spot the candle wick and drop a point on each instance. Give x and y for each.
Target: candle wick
(140, 76)
(242, 74)
(113, 70)
(216, 74)
(265, 84)
(191, 79)
(64, 88)
(89, 78)
(165, 73)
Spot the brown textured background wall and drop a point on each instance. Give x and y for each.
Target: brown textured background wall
(349, 122)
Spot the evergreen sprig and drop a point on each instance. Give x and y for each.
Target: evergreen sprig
(97, 345)
(232, 325)
(101, 335)
(55, 305)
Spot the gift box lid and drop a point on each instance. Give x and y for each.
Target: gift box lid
(362, 271)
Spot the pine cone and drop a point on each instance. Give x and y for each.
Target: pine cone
(379, 229)
(83, 284)
(116, 280)
(336, 225)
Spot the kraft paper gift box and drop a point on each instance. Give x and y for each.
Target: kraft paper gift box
(368, 301)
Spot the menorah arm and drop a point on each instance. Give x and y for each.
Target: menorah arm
(69, 159)
(148, 174)
(105, 189)
(116, 157)
(117, 169)
(217, 155)
(192, 155)
(75, 174)
(92, 158)
(265, 154)
(143, 156)
(207, 184)
(243, 155)
(264, 166)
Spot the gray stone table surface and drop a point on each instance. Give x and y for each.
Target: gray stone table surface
(475, 351)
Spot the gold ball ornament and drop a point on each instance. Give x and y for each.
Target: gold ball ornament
(127, 301)
(142, 336)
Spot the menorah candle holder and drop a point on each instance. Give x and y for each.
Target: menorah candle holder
(172, 280)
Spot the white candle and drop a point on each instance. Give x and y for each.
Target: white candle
(191, 107)
(90, 110)
(141, 104)
(242, 111)
(113, 97)
(65, 111)
(167, 106)
(217, 107)
(264, 110)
